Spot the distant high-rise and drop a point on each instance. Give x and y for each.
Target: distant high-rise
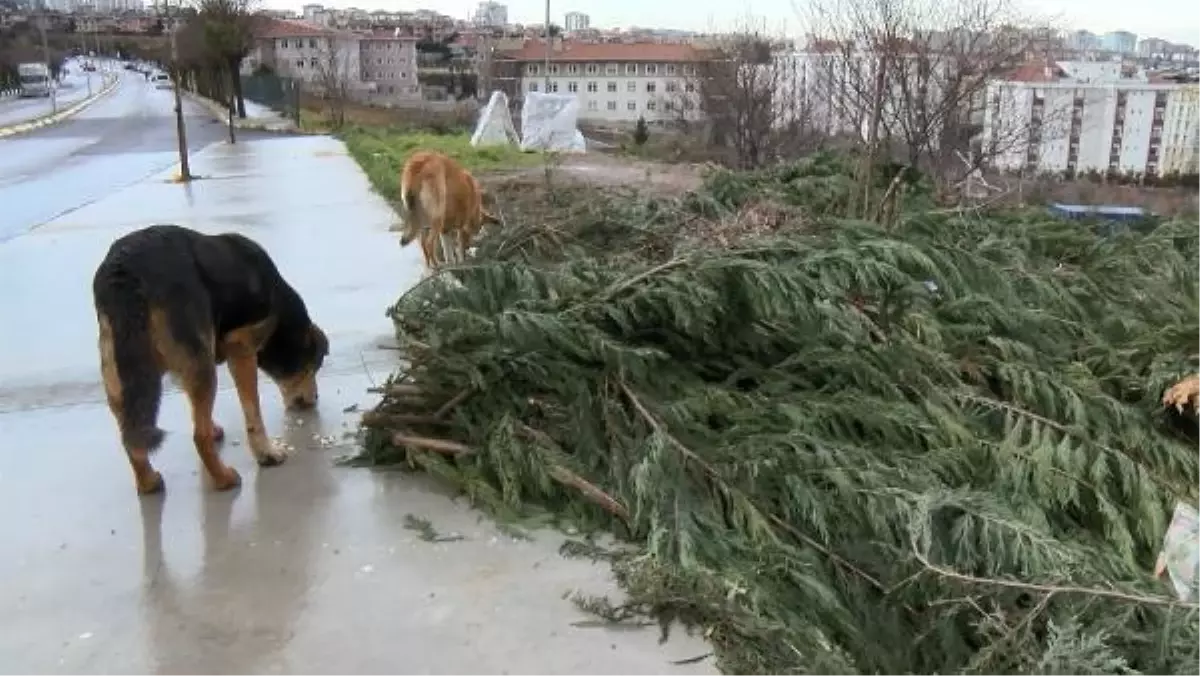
(576, 21)
(491, 14)
(1121, 42)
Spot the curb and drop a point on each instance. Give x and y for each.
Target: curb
(47, 120)
(221, 114)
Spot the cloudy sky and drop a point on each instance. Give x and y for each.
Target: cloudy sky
(1174, 20)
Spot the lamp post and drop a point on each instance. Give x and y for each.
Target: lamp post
(49, 68)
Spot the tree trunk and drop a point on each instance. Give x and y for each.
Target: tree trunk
(235, 66)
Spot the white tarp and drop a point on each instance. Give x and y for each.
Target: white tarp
(1180, 556)
(548, 123)
(495, 125)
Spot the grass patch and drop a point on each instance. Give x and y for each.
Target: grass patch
(382, 153)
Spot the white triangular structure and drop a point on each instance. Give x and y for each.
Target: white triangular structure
(495, 126)
(548, 123)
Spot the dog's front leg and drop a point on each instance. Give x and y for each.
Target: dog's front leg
(244, 369)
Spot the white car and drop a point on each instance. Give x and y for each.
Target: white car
(161, 80)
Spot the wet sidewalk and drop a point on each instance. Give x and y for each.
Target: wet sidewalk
(308, 567)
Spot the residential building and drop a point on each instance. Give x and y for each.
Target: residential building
(1041, 120)
(491, 15)
(1083, 41)
(614, 82)
(1121, 42)
(389, 60)
(576, 21)
(379, 67)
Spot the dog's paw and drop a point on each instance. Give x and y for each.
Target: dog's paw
(227, 481)
(1181, 394)
(151, 484)
(272, 458)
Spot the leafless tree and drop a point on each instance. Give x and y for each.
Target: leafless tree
(733, 88)
(334, 78)
(910, 78)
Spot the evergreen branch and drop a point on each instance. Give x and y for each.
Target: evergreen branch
(716, 477)
(1050, 589)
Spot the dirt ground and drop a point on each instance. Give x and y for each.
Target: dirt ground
(606, 171)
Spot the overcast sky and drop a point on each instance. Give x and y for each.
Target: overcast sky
(1174, 20)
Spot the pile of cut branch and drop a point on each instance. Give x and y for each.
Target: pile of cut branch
(937, 447)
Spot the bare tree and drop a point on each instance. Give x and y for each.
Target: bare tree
(909, 78)
(228, 30)
(335, 65)
(733, 87)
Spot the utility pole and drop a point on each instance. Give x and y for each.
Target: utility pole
(549, 48)
(185, 173)
(49, 68)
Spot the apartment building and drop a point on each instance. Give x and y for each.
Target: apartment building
(1039, 120)
(614, 82)
(379, 66)
(389, 60)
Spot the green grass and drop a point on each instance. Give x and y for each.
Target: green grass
(381, 152)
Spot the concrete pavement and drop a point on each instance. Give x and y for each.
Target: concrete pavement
(308, 567)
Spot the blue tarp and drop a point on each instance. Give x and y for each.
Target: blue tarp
(1102, 211)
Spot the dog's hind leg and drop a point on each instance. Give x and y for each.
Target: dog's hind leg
(200, 385)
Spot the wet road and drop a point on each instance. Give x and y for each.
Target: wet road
(72, 89)
(116, 142)
(308, 567)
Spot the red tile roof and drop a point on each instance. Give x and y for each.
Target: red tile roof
(535, 50)
(1036, 71)
(269, 28)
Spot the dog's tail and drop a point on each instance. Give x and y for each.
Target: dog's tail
(126, 347)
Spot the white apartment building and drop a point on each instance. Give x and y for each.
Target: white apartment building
(379, 66)
(615, 82)
(490, 15)
(1040, 121)
(830, 91)
(576, 21)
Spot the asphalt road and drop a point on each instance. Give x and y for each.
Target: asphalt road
(116, 142)
(72, 89)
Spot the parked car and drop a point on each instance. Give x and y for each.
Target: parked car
(161, 80)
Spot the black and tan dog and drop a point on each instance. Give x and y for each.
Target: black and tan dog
(173, 300)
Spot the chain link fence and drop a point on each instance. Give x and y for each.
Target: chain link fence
(280, 94)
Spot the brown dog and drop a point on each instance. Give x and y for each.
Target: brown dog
(442, 204)
(173, 300)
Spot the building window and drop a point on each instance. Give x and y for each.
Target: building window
(671, 87)
(668, 106)
(612, 87)
(533, 86)
(689, 87)
(299, 63)
(593, 105)
(632, 105)
(312, 44)
(652, 69)
(631, 69)
(592, 88)
(593, 69)
(572, 69)
(283, 44)
(313, 62)
(689, 70)
(554, 69)
(553, 87)
(670, 69)
(650, 105)
(573, 87)
(612, 105)
(631, 86)
(651, 87)
(532, 70)
(610, 69)
(689, 104)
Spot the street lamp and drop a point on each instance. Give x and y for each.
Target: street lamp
(49, 68)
